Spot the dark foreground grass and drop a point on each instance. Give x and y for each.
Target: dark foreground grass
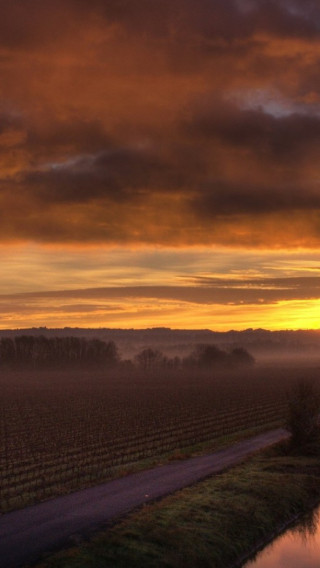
(212, 524)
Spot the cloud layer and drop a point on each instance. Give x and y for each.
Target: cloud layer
(241, 303)
(181, 122)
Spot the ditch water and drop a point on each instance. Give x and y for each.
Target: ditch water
(297, 547)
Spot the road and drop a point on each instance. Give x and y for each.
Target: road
(28, 533)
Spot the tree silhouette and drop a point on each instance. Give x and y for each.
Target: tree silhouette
(35, 351)
(241, 357)
(150, 359)
(303, 412)
(209, 356)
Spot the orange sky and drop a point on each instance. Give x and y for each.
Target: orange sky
(164, 152)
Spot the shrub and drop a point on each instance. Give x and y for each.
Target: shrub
(303, 412)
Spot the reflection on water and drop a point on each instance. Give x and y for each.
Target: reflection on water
(298, 547)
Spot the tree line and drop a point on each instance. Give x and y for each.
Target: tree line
(204, 356)
(34, 351)
(39, 351)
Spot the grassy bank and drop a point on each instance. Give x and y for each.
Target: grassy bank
(211, 524)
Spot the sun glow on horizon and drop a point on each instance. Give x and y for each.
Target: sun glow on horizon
(142, 313)
(214, 288)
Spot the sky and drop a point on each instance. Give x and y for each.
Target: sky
(160, 163)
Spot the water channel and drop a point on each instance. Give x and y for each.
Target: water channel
(297, 547)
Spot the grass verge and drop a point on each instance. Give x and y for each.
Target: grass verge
(211, 524)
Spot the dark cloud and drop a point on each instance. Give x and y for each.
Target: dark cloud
(74, 134)
(205, 291)
(285, 18)
(285, 137)
(229, 19)
(9, 120)
(39, 22)
(262, 283)
(127, 175)
(117, 174)
(223, 198)
(278, 146)
(34, 23)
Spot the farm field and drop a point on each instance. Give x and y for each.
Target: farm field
(64, 430)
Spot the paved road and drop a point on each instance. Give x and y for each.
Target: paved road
(26, 534)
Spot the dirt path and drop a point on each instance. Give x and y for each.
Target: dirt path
(27, 533)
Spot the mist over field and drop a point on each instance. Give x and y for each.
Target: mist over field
(264, 345)
(82, 406)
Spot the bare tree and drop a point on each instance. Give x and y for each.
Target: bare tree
(150, 359)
